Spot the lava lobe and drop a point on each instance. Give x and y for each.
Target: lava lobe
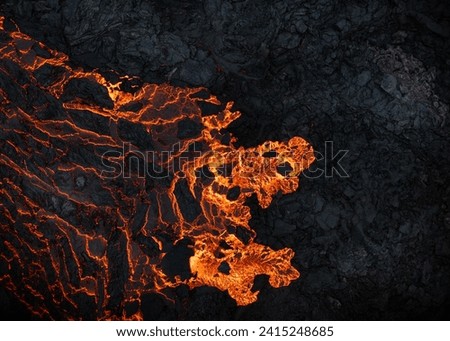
(103, 191)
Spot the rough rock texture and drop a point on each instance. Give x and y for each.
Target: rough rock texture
(373, 77)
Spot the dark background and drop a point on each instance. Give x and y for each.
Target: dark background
(371, 76)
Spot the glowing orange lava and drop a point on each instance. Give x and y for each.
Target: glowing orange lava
(74, 238)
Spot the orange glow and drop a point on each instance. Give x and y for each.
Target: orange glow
(149, 212)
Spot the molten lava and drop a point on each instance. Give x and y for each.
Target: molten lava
(104, 179)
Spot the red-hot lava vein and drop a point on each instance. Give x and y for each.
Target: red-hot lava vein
(101, 185)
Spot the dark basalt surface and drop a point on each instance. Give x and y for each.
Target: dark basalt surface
(373, 77)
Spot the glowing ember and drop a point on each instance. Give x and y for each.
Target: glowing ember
(110, 182)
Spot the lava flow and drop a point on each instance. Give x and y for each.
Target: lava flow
(107, 184)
